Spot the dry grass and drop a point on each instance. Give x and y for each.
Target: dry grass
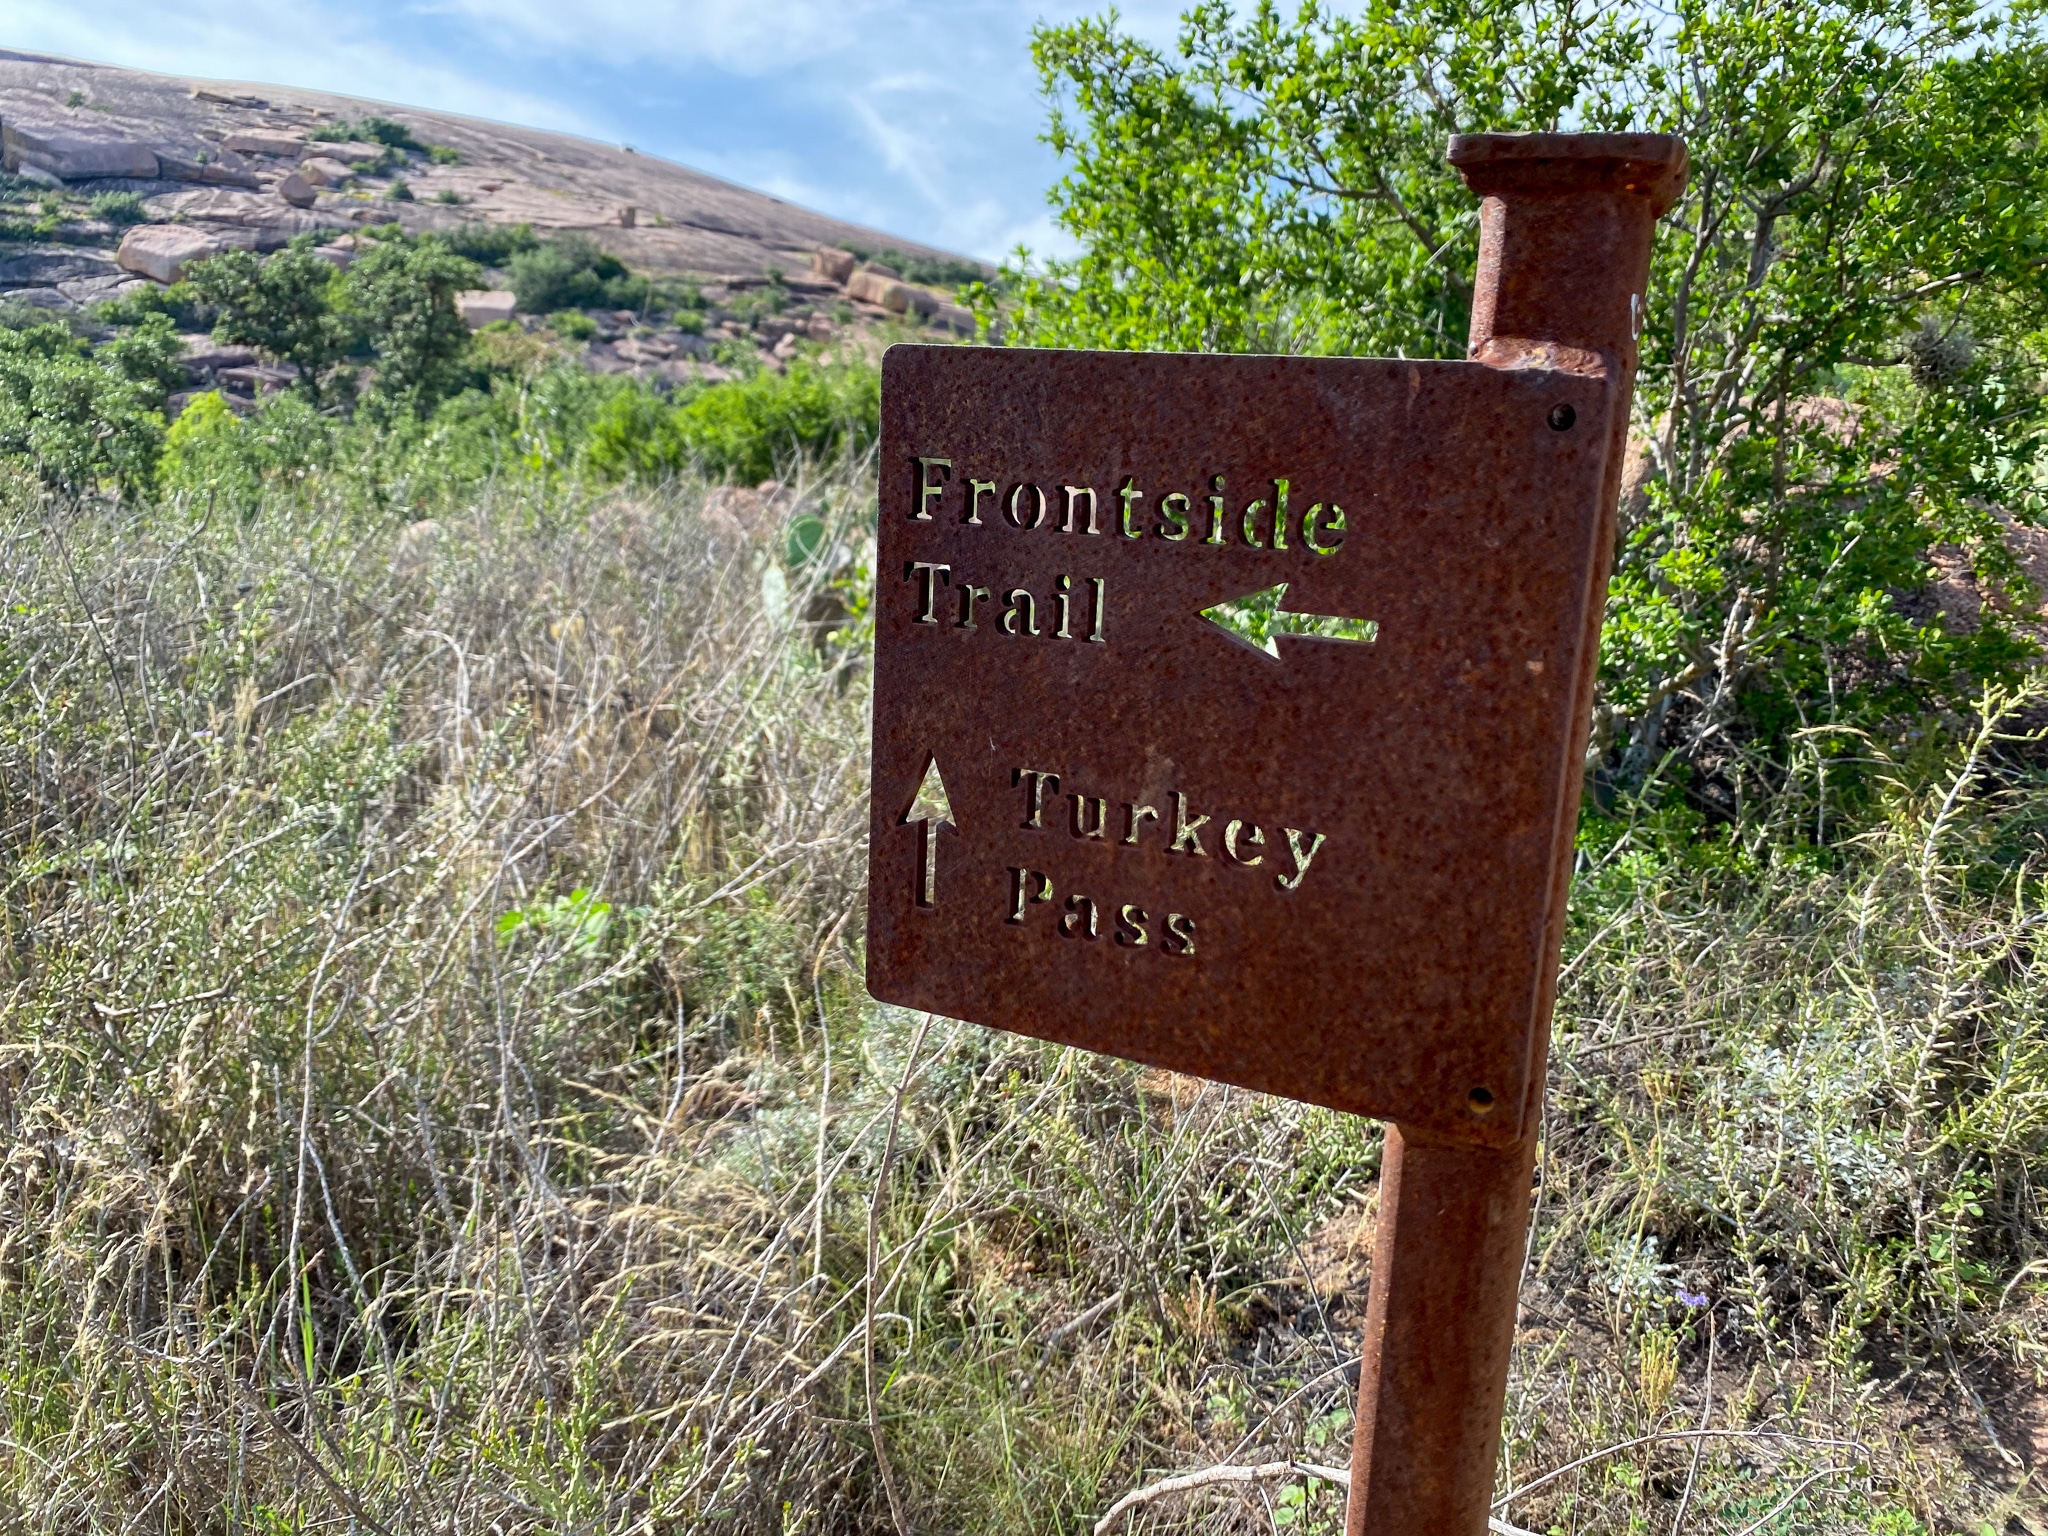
(439, 1097)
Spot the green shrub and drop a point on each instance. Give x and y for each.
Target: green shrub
(215, 458)
(370, 130)
(535, 424)
(490, 245)
(572, 272)
(281, 305)
(743, 430)
(444, 154)
(73, 420)
(149, 354)
(208, 457)
(750, 428)
(393, 135)
(635, 437)
(402, 296)
(572, 325)
(399, 191)
(180, 302)
(119, 208)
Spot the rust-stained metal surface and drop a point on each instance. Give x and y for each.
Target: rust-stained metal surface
(1565, 230)
(1427, 778)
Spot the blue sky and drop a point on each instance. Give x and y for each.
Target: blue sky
(918, 117)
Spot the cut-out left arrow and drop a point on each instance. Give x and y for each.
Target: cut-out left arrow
(929, 810)
(1257, 617)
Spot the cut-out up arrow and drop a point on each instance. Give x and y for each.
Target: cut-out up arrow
(1258, 616)
(930, 810)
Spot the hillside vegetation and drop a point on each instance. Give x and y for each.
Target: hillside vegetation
(437, 1090)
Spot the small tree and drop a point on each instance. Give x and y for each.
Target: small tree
(72, 419)
(282, 307)
(403, 298)
(572, 272)
(1812, 415)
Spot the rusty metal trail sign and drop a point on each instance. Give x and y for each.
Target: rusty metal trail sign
(1228, 717)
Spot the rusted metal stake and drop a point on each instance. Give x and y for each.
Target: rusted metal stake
(1565, 230)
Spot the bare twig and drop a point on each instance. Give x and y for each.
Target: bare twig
(867, 1341)
(1213, 1477)
(1706, 1416)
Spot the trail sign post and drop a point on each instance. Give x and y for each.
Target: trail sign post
(1229, 714)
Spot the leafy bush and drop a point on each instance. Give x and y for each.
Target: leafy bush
(744, 430)
(490, 245)
(119, 208)
(73, 420)
(400, 190)
(218, 459)
(396, 304)
(402, 296)
(282, 305)
(444, 154)
(370, 130)
(179, 302)
(572, 272)
(572, 325)
(206, 457)
(149, 354)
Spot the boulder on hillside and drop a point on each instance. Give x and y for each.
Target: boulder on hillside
(46, 269)
(266, 141)
(868, 287)
(163, 251)
(204, 357)
(86, 291)
(74, 152)
(213, 173)
(347, 151)
(36, 298)
(835, 264)
(224, 99)
(324, 172)
(254, 219)
(899, 298)
(258, 378)
(480, 307)
(296, 190)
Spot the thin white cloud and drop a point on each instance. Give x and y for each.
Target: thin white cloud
(294, 42)
(744, 37)
(915, 116)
